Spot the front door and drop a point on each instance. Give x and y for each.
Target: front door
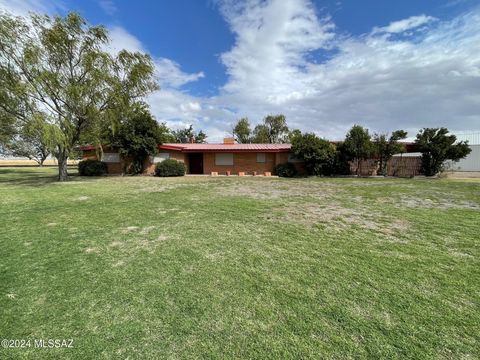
(195, 163)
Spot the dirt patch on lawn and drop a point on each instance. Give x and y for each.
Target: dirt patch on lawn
(440, 203)
(337, 217)
(277, 189)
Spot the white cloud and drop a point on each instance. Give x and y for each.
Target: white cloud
(427, 79)
(23, 7)
(406, 24)
(379, 79)
(108, 6)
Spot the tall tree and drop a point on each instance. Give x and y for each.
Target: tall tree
(188, 135)
(273, 130)
(318, 154)
(437, 147)
(385, 147)
(138, 137)
(57, 67)
(261, 134)
(357, 145)
(32, 141)
(277, 128)
(242, 131)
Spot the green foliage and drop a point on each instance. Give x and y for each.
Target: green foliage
(92, 168)
(357, 145)
(170, 167)
(32, 141)
(261, 134)
(273, 130)
(188, 135)
(57, 68)
(138, 137)
(384, 148)
(242, 131)
(318, 154)
(285, 170)
(437, 147)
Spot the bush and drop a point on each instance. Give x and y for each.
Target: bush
(285, 170)
(92, 168)
(170, 167)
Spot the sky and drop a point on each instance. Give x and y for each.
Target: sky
(326, 64)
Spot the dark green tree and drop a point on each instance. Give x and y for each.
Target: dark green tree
(138, 137)
(318, 154)
(385, 147)
(242, 131)
(437, 147)
(357, 145)
(273, 130)
(188, 135)
(57, 68)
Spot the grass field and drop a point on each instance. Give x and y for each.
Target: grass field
(200, 267)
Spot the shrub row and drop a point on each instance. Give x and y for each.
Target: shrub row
(92, 168)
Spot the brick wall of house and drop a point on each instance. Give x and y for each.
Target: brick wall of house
(246, 162)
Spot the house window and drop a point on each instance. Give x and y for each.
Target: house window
(261, 157)
(223, 159)
(161, 157)
(293, 159)
(111, 157)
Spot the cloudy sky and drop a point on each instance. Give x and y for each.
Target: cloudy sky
(325, 64)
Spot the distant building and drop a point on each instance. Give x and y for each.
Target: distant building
(472, 161)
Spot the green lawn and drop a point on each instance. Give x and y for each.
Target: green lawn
(200, 267)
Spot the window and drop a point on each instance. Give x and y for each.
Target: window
(261, 157)
(292, 158)
(223, 159)
(160, 157)
(111, 157)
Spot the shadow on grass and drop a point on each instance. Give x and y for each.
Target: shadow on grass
(28, 176)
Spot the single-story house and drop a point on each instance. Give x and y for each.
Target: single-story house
(226, 158)
(249, 159)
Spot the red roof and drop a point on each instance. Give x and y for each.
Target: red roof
(226, 147)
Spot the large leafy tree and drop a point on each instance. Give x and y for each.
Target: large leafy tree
(357, 145)
(57, 68)
(242, 131)
(437, 146)
(385, 147)
(273, 130)
(189, 135)
(318, 154)
(138, 137)
(32, 141)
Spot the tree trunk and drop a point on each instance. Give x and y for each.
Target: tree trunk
(62, 166)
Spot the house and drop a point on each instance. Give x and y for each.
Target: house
(249, 159)
(225, 158)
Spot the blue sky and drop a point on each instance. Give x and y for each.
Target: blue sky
(326, 64)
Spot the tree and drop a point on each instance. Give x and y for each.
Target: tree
(437, 147)
(32, 141)
(293, 134)
(273, 130)
(57, 68)
(384, 148)
(138, 137)
(261, 134)
(242, 131)
(278, 129)
(318, 154)
(357, 145)
(188, 135)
